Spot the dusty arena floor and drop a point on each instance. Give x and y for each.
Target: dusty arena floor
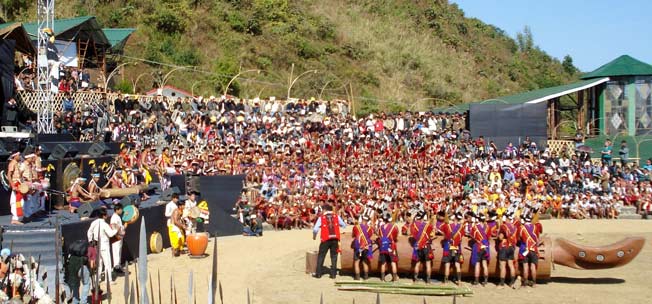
(272, 267)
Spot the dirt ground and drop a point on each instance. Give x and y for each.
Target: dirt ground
(272, 268)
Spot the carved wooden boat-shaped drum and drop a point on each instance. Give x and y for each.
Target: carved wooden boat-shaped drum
(405, 258)
(197, 243)
(560, 252)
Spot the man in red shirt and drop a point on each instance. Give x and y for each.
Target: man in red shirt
(329, 224)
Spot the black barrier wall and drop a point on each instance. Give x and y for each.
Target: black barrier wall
(221, 192)
(505, 123)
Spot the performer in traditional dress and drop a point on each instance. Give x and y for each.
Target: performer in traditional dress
(452, 246)
(506, 242)
(176, 226)
(387, 238)
(93, 187)
(191, 202)
(123, 158)
(362, 247)
(29, 176)
(165, 167)
(16, 199)
(116, 181)
(116, 242)
(421, 235)
(529, 250)
(329, 224)
(78, 195)
(480, 251)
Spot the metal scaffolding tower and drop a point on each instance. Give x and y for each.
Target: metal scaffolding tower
(45, 19)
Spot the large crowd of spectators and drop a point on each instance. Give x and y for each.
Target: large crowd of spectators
(67, 79)
(300, 154)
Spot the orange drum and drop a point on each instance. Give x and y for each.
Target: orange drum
(197, 243)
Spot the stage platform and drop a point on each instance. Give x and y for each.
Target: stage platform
(37, 238)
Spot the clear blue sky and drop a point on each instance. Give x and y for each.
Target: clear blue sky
(592, 32)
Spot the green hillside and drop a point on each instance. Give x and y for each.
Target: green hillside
(388, 54)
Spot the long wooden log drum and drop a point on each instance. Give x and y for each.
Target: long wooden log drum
(122, 192)
(559, 251)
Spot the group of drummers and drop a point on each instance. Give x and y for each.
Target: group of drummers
(28, 181)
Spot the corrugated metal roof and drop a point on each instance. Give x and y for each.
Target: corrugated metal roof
(622, 66)
(531, 96)
(117, 36)
(84, 27)
(60, 25)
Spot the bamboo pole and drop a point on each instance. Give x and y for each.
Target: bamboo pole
(214, 275)
(158, 271)
(142, 262)
(151, 288)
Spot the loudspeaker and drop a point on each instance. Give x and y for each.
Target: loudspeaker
(98, 149)
(62, 151)
(89, 209)
(131, 199)
(167, 194)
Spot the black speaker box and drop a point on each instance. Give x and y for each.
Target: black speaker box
(89, 209)
(131, 199)
(62, 151)
(98, 149)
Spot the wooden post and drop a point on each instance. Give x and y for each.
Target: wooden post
(581, 109)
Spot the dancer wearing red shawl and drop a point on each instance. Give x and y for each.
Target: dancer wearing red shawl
(421, 235)
(387, 238)
(362, 247)
(506, 242)
(529, 250)
(480, 250)
(452, 246)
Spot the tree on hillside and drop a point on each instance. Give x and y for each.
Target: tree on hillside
(12, 8)
(568, 65)
(524, 40)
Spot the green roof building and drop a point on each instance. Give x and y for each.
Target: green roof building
(624, 104)
(612, 102)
